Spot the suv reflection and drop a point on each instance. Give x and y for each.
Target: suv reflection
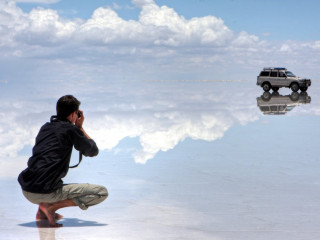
(276, 104)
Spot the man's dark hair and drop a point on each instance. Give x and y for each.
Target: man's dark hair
(66, 105)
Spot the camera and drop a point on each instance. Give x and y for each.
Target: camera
(79, 114)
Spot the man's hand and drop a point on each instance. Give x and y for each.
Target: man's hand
(79, 123)
(80, 120)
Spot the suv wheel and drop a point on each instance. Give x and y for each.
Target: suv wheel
(266, 87)
(303, 89)
(266, 96)
(294, 96)
(294, 87)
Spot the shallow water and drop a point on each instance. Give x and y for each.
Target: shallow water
(183, 160)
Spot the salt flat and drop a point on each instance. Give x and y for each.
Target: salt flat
(185, 161)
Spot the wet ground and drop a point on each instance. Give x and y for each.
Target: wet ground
(187, 160)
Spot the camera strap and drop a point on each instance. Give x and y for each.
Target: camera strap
(80, 159)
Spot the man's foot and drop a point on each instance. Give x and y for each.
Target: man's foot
(45, 209)
(41, 216)
(49, 210)
(46, 224)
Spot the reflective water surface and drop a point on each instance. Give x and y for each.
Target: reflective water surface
(181, 160)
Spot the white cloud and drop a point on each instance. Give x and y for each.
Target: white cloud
(246, 40)
(115, 6)
(141, 3)
(159, 31)
(18, 127)
(159, 37)
(11, 167)
(285, 48)
(156, 26)
(44, 26)
(313, 45)
(157, 138)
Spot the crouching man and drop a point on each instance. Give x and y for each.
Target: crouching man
(41, 181)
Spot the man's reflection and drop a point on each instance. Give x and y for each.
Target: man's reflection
(45, 231)
(276, 104)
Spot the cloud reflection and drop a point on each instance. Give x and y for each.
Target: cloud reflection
(159, 131)
(159, 115)
(163, 119)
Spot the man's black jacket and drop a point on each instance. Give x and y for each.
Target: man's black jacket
(51, 156)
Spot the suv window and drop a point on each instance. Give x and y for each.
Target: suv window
(282, 74)
(264, 74)
(274, 74)
(290, 74)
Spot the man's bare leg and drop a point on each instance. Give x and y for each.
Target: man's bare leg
(49, 210)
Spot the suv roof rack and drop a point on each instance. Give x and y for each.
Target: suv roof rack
(274, 68)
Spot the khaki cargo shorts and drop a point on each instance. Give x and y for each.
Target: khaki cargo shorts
(84, 195)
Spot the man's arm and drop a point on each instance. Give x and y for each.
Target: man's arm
(84, 132)
(88, 147)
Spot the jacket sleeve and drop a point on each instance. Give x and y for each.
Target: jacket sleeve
(86, 146)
